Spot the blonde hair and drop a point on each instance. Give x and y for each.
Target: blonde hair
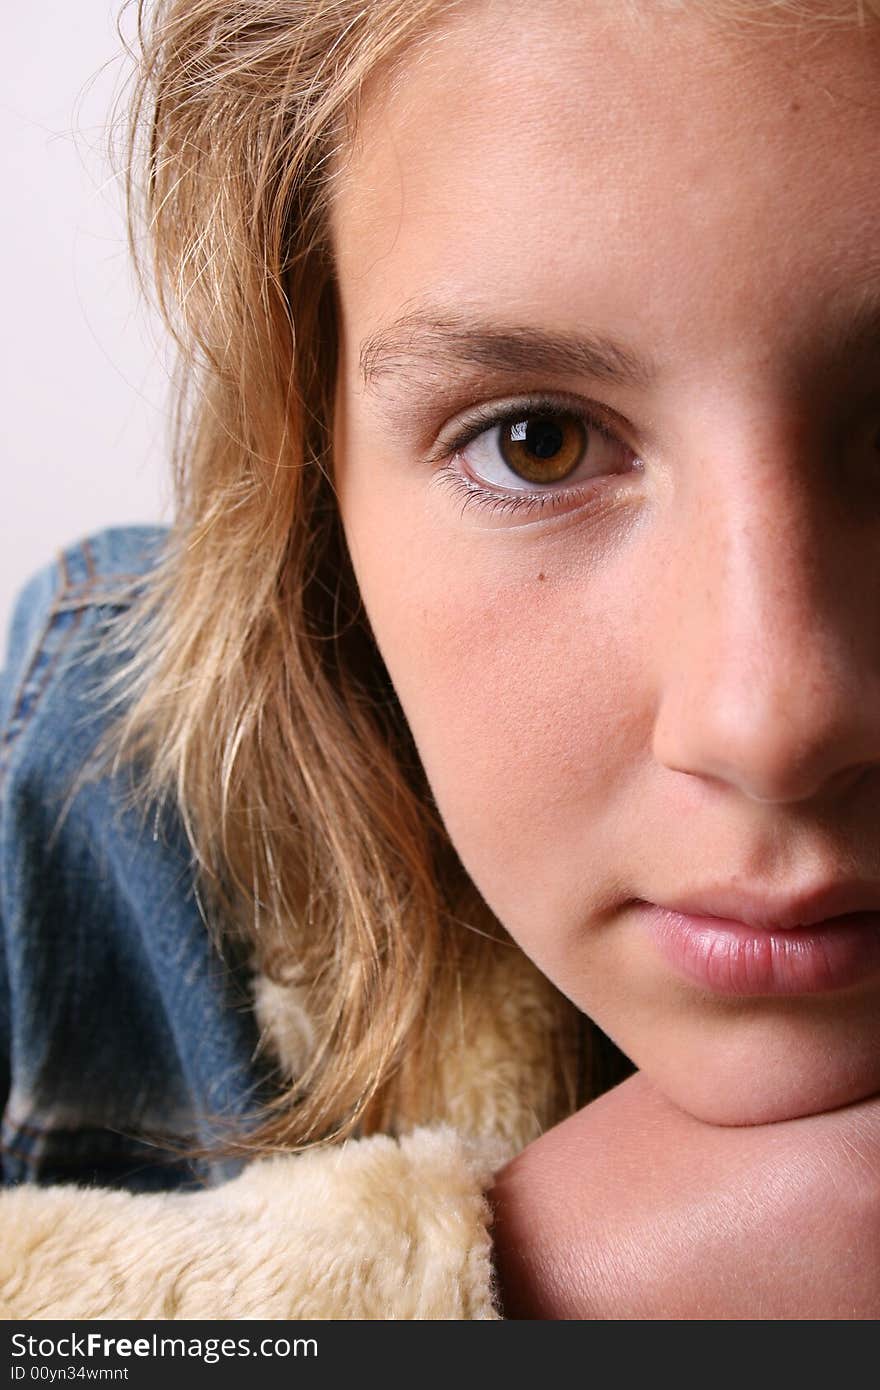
(256, 700)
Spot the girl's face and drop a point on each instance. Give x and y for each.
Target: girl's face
(635, 628)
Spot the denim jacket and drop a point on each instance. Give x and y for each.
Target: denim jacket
(123, 1032)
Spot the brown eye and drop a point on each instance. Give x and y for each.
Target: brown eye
(543, 448)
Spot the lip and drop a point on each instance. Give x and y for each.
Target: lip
(731, 957)
(772, 911)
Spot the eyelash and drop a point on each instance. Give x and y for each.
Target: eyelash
(522, 502)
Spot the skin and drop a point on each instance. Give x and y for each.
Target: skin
(670, 677)
(631, 1208)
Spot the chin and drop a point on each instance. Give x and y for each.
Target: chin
(764, 1069)
(765, 1104)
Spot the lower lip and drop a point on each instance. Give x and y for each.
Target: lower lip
(730, 957)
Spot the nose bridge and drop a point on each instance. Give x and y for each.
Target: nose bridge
(772, 682)
(766, 574)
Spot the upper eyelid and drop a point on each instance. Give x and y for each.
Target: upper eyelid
(488, 416)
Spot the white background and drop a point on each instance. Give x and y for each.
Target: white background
(84, 367)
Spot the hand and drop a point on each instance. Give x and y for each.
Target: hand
(632, 1209)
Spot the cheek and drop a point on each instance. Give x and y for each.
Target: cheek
(517, 668)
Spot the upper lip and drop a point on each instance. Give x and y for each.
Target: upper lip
(770, 911)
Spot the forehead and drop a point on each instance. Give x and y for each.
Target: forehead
(613, 151)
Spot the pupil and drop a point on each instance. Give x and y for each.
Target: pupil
(543, 438)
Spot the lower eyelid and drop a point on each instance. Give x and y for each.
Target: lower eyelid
(474, 495)
(523, 501)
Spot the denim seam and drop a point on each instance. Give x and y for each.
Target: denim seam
(93, 593)
(64, 593)
(50, 1131)
(129, 1153)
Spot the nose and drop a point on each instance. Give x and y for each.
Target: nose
(770, 654)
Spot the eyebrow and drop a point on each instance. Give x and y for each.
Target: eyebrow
(438, 339)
